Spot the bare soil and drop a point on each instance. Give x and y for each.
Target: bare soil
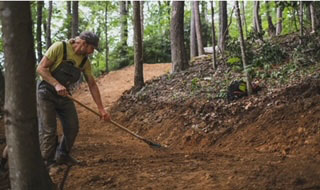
(270, 140)
(267, 141)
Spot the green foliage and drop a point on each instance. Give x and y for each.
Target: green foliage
(195, 84)
(234, 60)
(268, 53)
(157, 49)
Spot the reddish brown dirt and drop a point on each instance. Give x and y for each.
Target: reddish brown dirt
(276, 148)
(270, 142)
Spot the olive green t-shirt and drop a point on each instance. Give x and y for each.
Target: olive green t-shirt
(55, 54)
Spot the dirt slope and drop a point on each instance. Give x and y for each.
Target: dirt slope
(274, 146)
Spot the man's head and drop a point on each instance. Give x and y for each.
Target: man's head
(86, 42)
(90, 38)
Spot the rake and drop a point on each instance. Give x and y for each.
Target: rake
(150, 143)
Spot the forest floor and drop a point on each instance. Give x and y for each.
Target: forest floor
(270, 140)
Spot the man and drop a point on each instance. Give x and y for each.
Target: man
(61, 67)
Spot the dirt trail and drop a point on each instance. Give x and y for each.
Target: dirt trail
(112, 159)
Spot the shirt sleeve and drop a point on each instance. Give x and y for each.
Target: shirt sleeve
(87, 69)
(54, 51)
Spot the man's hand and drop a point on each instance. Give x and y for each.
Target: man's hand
(61, 90)
(104, 115)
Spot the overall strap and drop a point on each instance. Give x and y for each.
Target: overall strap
(64, 50)
(84, 60)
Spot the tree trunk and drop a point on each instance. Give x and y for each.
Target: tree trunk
(223, 22)
(279, 19)
(48, 33)
(39, 33)
(193, 36)
(198, 28)
(75, 18)
(106, 34)
(256, 17)
(138, 59)
(205, 31)
(142, 19)
(243, 50)
(301, 18)
(178, 52)
(69, 19)
(243, 18)
(214, 54)
(2, 90)
(124, 34)
(27, 169)
(312, 13)
(271, 28)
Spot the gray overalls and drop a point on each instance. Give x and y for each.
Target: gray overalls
(50, 105)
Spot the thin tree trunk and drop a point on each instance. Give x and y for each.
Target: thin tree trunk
(142, 23)
(124, 34)
(271, 28)
(279, 19)
(75, 18)
(198, 28)
(193, 36)
(243, 18)
(312, 13)
(142, 19)
(301, 18)
(205, 31)
(39, 33)
(223, 32)
(178, 52)
(256, 17)
(27, 169)
(138, 59)
(69, 19)
(106, 34)
(214, 54)
(48, 33)
(243, 51)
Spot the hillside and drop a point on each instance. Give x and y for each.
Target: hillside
(270, 140)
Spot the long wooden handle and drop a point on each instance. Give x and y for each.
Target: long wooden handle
(111, 121)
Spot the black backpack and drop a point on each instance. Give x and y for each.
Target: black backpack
(237, 89)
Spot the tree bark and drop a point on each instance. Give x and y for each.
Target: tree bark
(75, 18)
(271, 28)
(69, 19)
(142, 19)
(27, 169)
(39, 33)
(243, 18)
(256, 17)
(124, 34)
(301, 18)
(214, 54)
(106, 34)
(279, 19)
(205, 30)
(2, 90)
(193, 36)
(223, 22)
(243, 51)
(138, 59)
(198, 28)
(48, 32)
(312, 13)
(178, 52)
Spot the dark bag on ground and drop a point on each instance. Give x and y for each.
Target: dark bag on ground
(236, 90)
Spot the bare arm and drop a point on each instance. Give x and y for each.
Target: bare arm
(95, 93)
(43, 70)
